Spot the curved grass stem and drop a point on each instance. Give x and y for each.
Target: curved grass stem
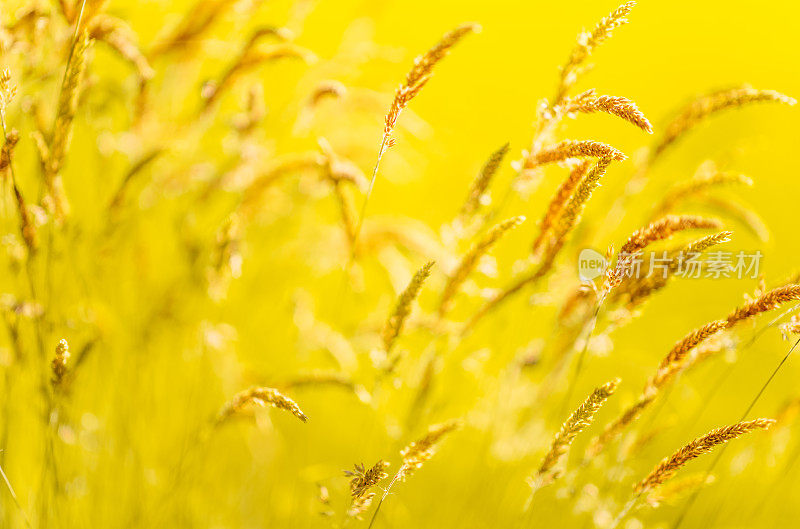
(693, 498)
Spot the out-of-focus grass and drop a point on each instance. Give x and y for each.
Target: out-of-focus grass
(145, 289)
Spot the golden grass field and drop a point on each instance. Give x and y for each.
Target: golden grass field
(264, 268)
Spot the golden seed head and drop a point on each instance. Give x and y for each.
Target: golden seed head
(421, 73)
(556, 206)
(621, 107)
(699, 185)
(481, 183)
(675, 359)
(576, 423)
(360, 505)
(471, 259)
(394, 325)
(59, 363)
(764, 303)
(326, 89)
(567, 149)
(364, 479)
(7, 90)
(670, 465)
(67, 105)
(664, 228)
(611, 431)
(260, 396)
(637, 290)
(656, 231)
(420, 451)
(705, 106)
(575, 205)
(587, 42)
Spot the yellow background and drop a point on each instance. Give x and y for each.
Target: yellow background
(153, 380)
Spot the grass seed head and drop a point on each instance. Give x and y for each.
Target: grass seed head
(567, 149)
(260, 396)
(417, 453)
(587, 42)
(59, 363)
(670, 465)
(578, 421)
(703, 107)
(764, 303)
(394, 325)
(470, 260)
(482, 181)
(621, 107)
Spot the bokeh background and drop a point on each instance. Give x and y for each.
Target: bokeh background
(167, 345)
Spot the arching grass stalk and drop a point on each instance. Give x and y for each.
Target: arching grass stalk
(415, 80)
(693, 498)
(721, 380)
(714, 390)
(668, 466)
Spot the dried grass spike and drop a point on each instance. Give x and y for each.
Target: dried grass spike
(558, 201)
(566, 222)
(27, 225)
(190, 30)
(587, 42)
(663, 229)
(766, 302)
(704, 243)
(481, 182)
(470, 260)
(360, 505)
(67, 105)
(59, 363)
(421, 72)
(62, 130)
(637, 290)
(260, 396)
(621, 107)
(420, 451)
(394, 325)
(573, 209)
(699, 185)
(362, 480)
(576, 423)
(742, 213)
(567, 149)
(416, 78)
(7, 90)
(670, 465)
(705, 106)
(250, 58)
(613, 430)
(656, 231)
(674, 360)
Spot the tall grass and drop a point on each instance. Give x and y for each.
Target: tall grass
(183, 186)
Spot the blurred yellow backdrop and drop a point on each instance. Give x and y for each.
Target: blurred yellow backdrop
(166, 352)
